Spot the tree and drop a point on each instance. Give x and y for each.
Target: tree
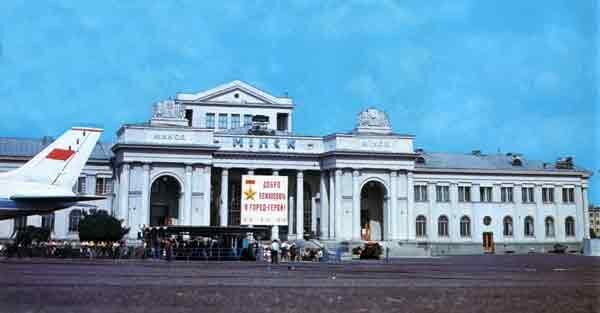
(98, 226)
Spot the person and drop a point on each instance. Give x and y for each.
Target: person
(285, 248)
(168, 250)
(274, 251)
(293, 252)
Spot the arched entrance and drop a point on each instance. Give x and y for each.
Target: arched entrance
(164, 201)
(372, 204)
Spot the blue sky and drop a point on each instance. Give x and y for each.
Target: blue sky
(514, 76)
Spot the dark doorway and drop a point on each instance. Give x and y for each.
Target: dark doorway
(488, 242)
(164, 201)
(372, 202)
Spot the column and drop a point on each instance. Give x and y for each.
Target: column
(432, 230)
(90, 184)
(145, 209)
(338, 204)
(207, 197)
(475, 194)
(517, 216)
(355, 205)
(324, 202)
(454, 226)
(586, 215)
(275, 228)
(579, 218)
(394, 220)
(332, 227)
(300, 205)
(410, 207)
(250, 172)
(402, 206)
(124, 194)
(539, 227)
(187, 194)
(224, 209)
(114, 205)
(291, 205)
(313, 214)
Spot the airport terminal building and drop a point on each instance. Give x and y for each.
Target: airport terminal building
(184, 167)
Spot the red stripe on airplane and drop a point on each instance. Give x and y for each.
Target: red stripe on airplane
(60, 154)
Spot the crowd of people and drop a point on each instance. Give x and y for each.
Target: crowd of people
(292, 252)
(70, 249)
(174, 247)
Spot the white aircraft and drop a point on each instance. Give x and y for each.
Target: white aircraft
(45, 183)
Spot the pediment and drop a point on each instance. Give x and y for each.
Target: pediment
(235, 95)
(235, 92)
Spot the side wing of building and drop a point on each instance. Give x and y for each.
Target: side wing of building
(95, 179)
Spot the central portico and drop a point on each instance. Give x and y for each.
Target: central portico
(184, 167)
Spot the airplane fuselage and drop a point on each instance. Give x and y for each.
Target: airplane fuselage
(9, 208)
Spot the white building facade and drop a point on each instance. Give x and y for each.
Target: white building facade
(184, 167)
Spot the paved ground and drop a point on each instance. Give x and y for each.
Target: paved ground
(534, 283)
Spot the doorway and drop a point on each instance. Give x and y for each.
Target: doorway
(372, 202)
(488, 242)
(164, 201)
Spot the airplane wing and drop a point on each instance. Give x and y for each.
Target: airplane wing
(63, 199)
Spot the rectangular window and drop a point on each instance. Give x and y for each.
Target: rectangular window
(189, 116)
(464, 194)
(247, 120)
(235, 121)
(548, 195)
(527, 195)
(210, 120)
(506, 194)
(222, 121)
(442, 193)
(568, 195)
(282, 121)
(486, 194)
(81, 185)
(103, 185)
(420, 193)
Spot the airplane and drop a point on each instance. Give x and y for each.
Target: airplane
(45, 183)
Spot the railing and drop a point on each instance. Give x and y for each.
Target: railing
(159, 253)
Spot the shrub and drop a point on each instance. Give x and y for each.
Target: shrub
(98, 226)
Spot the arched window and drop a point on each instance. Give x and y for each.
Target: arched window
(443, 226)
(74, 219)
(508, 226)
(465, 226)
(549, 226)
(570, 226)
(48, 221)
(421, 226)
(528, 229)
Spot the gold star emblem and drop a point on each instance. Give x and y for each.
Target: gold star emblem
(249, 194)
